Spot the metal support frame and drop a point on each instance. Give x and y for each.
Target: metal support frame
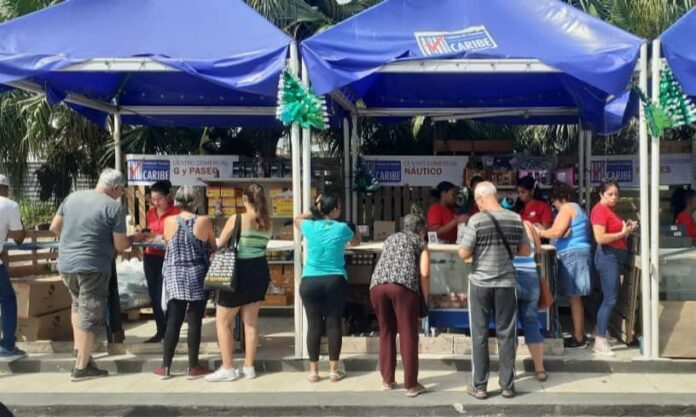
(118, 154)
(346, 168)
(470, 66)
(646, 292)
(655, 209)
(306, 154)
(297, 210)
(587, 154)
(355, 147)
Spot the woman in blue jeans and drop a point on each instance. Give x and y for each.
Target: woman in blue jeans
(571, 234)
(610, 232)
(528, 292)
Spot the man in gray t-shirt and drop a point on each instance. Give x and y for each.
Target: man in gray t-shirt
(91, 226)
(493, 237)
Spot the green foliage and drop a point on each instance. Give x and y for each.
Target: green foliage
(36, 213)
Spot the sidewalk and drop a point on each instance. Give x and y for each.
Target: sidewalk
(288, 393)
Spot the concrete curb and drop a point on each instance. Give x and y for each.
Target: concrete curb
(347, 404)
(352, 363)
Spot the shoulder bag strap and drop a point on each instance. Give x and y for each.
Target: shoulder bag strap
(502, 235)
(236, 232)
(194, 240)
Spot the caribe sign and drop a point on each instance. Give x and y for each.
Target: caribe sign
(474, 38)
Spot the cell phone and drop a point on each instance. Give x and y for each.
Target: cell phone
(145, 230)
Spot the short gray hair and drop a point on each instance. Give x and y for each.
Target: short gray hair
(485, 189)
(414, 223)
(111, 178)
(186, 198)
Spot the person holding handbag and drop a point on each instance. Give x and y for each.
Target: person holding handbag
(528, 293)
(400, 284)
(492, 237)
(571, 234)
(190, 242)
(252, 278)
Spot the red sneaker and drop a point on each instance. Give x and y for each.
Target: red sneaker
(198, 372)
(163, 372)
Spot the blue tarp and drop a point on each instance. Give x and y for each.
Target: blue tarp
(226, 54)
(596, 60)
(679, 47)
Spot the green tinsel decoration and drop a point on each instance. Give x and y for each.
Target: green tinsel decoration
(365, 183)
(298, 104)
(655, 116)
(677, 105)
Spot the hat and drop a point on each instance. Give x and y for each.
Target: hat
(4, 182)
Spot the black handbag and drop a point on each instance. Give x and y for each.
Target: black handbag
(222, 274)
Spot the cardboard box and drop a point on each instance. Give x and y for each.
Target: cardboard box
(229, 211)
(278, 300)
(213, 192)
(54, 326)
(37, 296)
(228, 192)
(382, 230)
(230, 202)
(281, 201)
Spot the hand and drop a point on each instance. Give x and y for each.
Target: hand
(632, 226)
(462, 218)
(138, 237)
(625, 230)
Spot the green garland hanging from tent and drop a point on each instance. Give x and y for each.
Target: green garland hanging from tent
(678, 106)
(675, 108)
(298, 104)
(365, 183)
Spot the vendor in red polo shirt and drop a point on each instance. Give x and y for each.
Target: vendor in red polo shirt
(161, 207)
(530, 206)
(442, 216)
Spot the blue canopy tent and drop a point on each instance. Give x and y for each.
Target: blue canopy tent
(674, 49)
(154, 62)
(521, 62)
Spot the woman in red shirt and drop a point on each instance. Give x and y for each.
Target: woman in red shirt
(530, 207)
(161, 207)
(610, 233)
(686, 216)
(442, 216)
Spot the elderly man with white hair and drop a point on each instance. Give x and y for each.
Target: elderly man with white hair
(91, 225)
(492, 237)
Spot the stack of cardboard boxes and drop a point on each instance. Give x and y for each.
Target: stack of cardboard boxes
(224, 201)
(282, 288)
(43, 309)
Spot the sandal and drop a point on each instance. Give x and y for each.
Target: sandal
(336, 375)
(541, 376)
(388, 386)
(312, 376)
(415, 391)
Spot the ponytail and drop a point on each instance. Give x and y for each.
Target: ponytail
(324, 205)
(257, 199)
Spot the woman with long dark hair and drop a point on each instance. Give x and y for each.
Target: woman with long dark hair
(253, 278)
(530, 205)
(161, 207)
(610, 232)
(324, 285)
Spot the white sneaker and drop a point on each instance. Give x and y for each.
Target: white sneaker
(223, 375)
(247, 372)
(601, 347)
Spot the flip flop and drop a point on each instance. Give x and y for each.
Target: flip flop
(336, 375)
(312, 377)
(416, 391)
(541, 376)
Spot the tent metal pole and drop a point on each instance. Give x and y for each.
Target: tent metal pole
(355, 149)
(588, 171)
(297, 210)
(581, 161)
(655, 208)
(644, 214)
(306, 155)
(346, 166)
(118, 156)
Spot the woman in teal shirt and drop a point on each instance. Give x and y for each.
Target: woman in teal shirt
(324, 285)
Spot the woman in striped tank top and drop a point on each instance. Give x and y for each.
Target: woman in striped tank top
(253, 277)
(528, 292)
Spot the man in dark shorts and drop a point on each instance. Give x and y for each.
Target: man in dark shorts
(91, 225)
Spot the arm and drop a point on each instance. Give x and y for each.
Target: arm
(226, 233)
(524, 248)
(604, 238)
(16, 229)
(561, 225)
(209, 231)
(300, 218)
(447, 227)
(425, 273)
(56, 225)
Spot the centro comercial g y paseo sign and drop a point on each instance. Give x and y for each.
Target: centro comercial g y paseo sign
(178, 169)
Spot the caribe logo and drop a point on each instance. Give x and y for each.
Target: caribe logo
(474, 38)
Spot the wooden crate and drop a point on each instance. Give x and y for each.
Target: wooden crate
(37, 262)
